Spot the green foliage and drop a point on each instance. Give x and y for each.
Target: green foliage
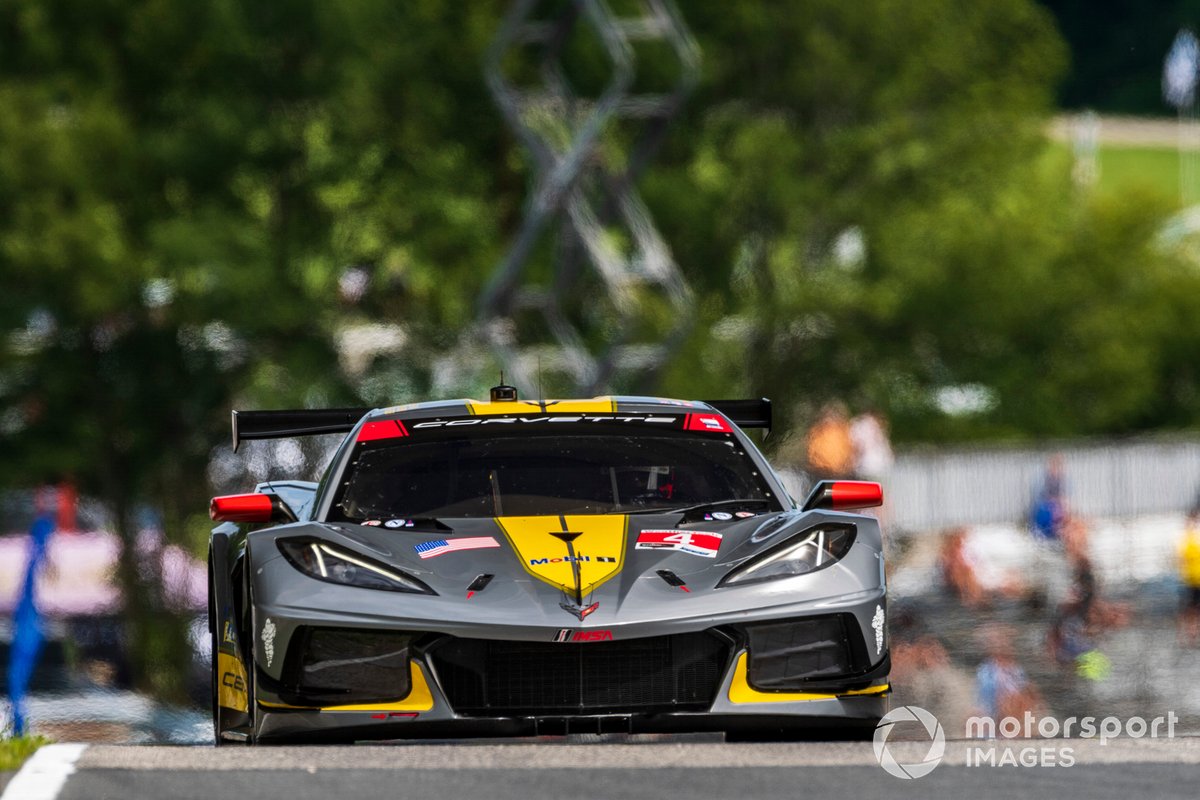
(181, 187)
(15, 750)
(899, 232)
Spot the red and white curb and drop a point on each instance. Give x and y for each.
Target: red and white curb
(44, 774)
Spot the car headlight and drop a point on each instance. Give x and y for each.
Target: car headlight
(328, 562)
(814, 549)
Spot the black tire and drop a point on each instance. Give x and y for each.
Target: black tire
(251, 664)
(214, 642)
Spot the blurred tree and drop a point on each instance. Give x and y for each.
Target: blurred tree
(183, 189)
(899, 235)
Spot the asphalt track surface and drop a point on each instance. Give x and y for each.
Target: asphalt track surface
(654, 770)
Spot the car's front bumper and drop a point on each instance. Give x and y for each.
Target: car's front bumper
(734, 706)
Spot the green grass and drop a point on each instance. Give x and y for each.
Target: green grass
(1150, 168)
(13, 752)
(1153, 169)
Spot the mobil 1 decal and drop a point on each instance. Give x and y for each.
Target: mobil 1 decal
(697, 543)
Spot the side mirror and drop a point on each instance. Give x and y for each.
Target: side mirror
(258, 507)
(844, 495)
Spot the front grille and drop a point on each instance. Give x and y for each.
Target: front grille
(499, 678)
(786, 655)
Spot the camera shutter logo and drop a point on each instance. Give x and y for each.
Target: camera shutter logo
(937, 745)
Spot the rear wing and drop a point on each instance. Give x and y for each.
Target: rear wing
(745, 413)
(250, 425)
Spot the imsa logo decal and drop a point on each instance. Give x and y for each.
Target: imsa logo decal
(568, 635)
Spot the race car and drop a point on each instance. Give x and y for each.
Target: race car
(517, 567)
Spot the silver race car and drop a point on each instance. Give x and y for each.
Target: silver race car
(510, 568)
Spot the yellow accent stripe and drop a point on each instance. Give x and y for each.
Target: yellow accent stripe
(599, 535)
(231, 696)
(740, 690)
(420, 698)
(597, 405)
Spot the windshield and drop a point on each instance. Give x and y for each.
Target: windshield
(576, 469)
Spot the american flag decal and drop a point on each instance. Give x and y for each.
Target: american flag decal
(439, 546)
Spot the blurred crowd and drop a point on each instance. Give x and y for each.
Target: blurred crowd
(990, 624)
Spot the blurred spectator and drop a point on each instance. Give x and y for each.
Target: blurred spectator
(68, 503)
(1189, 574)
(1069, 636)
(1083, 616)
(830, 449)
(872, 448)
(1049, 510)
(958, 568)
(1101, 614)
(1001, 685)
(923, 673)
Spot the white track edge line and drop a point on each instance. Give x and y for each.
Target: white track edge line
(45, 773)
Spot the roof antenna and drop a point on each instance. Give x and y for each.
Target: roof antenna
(541, 394)
(503, 392)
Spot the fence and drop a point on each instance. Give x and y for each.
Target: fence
(938, 488)
(934, 489)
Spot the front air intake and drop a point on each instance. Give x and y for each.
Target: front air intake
(339, 666)
(793, 654)
(484, 677)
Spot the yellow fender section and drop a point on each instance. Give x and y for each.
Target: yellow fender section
(740, 690)
(597, 549)
(597, 405)
(231, 690)
(420, 698)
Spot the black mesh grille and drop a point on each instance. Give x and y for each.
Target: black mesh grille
(665, 673)
(786, 654)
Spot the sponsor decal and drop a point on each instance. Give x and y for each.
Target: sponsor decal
(574, 553)
(232, 691)
(723, 516)
(744, 514)
(371, 523)
(567, 635)
(877, 624)
(227, 634)
(438, 547)
(697, 543)
(558, 418)
(712, 423)
(268, 640)
(398, 523)
(533, 562)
